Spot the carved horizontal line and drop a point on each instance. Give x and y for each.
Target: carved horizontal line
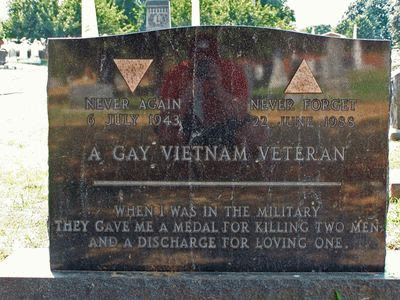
(215, 183)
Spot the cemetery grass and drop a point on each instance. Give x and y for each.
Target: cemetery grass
(393, 224)
(23, 224)
(23, 159)
(393, 215)
(394, 155)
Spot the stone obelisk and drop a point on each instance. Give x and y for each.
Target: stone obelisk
(89, 20)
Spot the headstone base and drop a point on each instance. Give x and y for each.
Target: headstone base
(26, 274)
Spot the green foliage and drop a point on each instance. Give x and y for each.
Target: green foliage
(47, 18)
(181, 13)
(110, 19)
(139, 16)
(69, 18)
(244, 12)
(319, 29)
(127, 7)
(274, 3)
(31, 18)
(135, 10)
(337, 295)
(1, 31)
(273, 13)
(371, 17)
(395, 21)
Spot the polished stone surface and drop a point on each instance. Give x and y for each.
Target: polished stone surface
(206, 164)
(21, 277)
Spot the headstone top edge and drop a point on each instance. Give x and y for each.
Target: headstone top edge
(225, 27)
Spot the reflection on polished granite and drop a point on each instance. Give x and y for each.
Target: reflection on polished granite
(275, 181)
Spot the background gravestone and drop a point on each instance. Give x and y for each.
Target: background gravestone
(199, 156)
(157, 14)
(395, 102)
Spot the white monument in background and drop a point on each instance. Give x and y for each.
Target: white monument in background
(36, 46)
(23, 51)
(89, 19)
(195, 12)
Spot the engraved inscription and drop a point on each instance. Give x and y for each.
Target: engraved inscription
(217, 149)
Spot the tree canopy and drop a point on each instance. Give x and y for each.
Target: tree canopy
(319, 29)
(48, 18)
(134, 10)
(246, 12)
(395, 21)
(111, 19)
(273, 13)
(371, 18)
(1, 31)
(31, 18)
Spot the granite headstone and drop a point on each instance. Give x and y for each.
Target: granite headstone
(218, 149)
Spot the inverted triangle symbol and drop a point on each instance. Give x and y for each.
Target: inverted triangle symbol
(133, 70)
(303, 81)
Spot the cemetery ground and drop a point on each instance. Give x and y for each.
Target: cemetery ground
(24, 169)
